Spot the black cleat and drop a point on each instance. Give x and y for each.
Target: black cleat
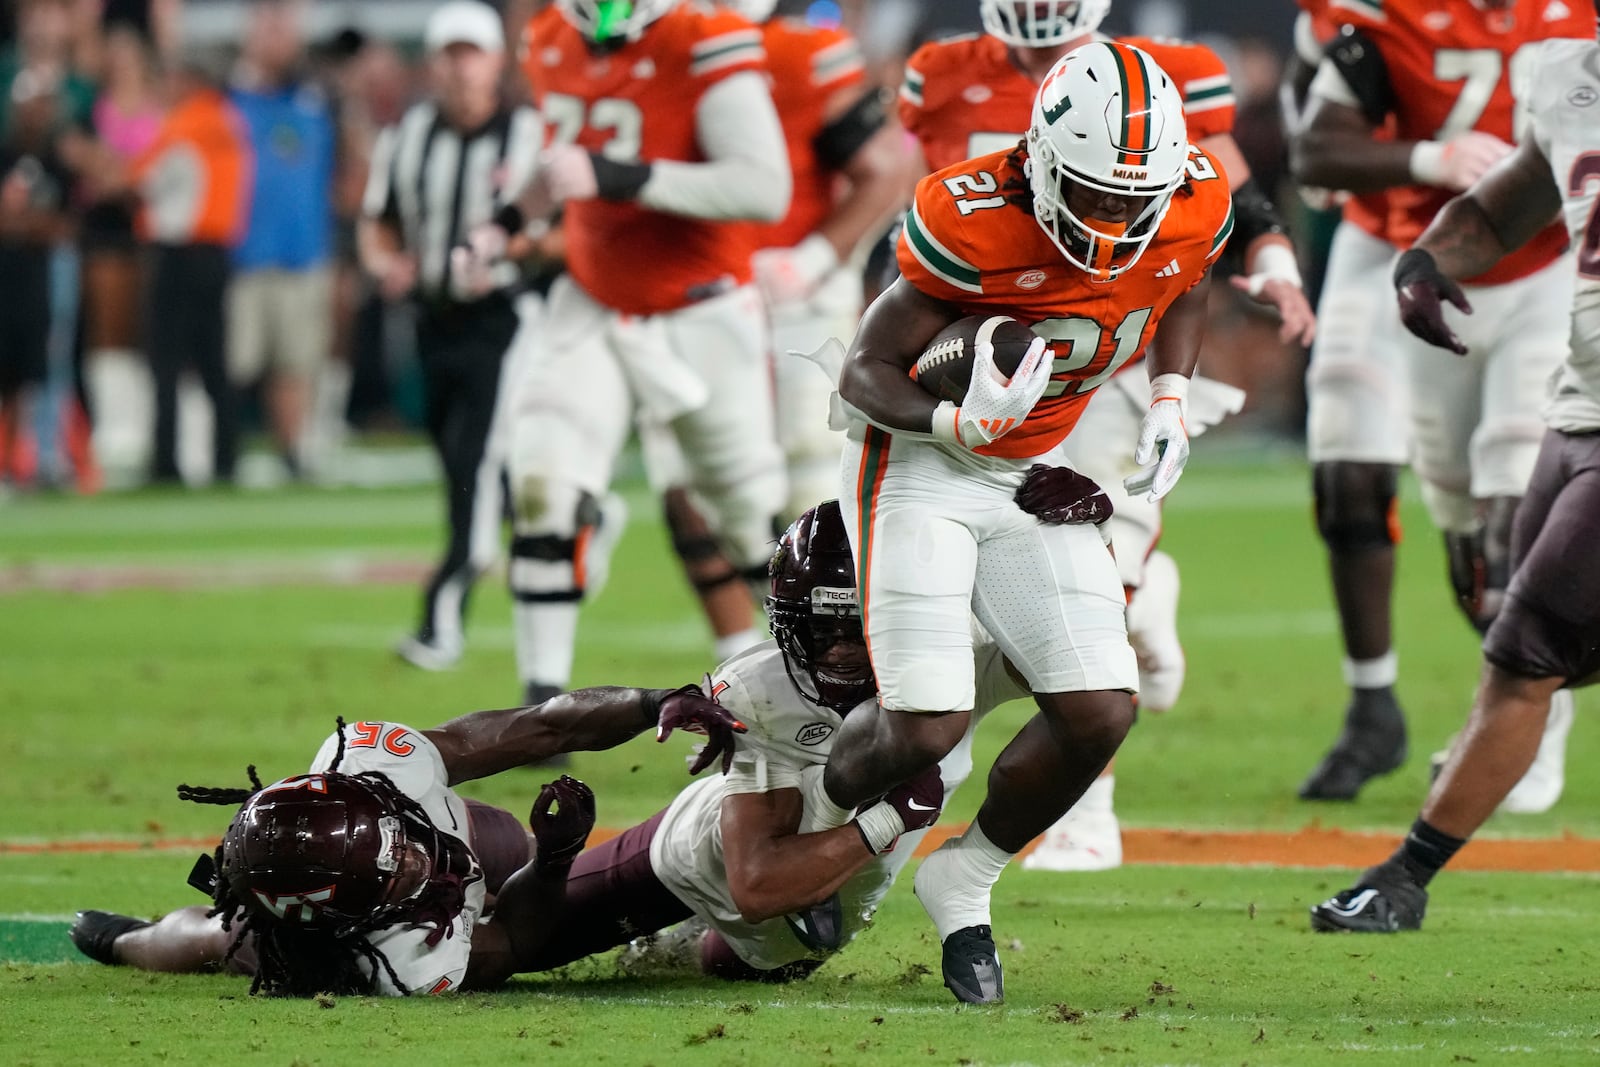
(820, 927)
(95, 931)
(971, 966)
(1384, 901)
(1372, 743)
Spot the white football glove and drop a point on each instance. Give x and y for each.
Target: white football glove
(1163, 441)
(789, 275)
(567, 173)
(472, 265)
(1459, 162)
(993, 407)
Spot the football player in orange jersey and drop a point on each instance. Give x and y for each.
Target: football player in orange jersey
(850, 169)
(971, 94)
(1442, 74)
(1100, 227)
(663, 141)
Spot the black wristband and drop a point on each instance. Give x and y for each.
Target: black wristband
(650, 701)
(1414, 265)
(510, 219)
(618, 181)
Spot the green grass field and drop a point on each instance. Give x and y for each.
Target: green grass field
(242, 640)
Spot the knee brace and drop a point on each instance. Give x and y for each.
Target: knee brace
(1480, 564)
(1355, 505)
(551, 529)
(696, 546)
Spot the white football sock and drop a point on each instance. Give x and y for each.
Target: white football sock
(1096, 800)
(546, 637)
(1379, 673)
(733, 644)
(954, 884)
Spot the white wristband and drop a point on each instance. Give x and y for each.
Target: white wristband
(1427, 162)
(1171, 386)
(880, 825)
(946, 417)
(1274, 260)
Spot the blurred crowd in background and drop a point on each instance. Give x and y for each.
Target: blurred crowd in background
(151, 321)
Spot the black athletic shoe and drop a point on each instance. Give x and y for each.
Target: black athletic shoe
(1372, 743)
(1384, 901)
(94, 931)
(820, 927)
(971, 966)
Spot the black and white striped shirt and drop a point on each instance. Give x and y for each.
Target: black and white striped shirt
(436, 184)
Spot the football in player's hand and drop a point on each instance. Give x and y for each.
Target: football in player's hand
(945, 366)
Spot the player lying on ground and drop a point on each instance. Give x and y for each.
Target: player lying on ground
(1547, 633)
(733, 852)
(370, 874)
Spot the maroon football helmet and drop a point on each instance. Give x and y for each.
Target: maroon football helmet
(337, 851)
(814, 614)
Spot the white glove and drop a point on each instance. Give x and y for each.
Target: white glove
(789, 275)
(1163, 441)
(472, 265)
(567, 173)
(1459, 162)
(993, 407)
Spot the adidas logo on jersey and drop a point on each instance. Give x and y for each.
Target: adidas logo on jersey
(1171, 270)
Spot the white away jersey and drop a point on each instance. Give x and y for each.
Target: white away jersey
(413, 764)
(786, 748)
(1561, 99)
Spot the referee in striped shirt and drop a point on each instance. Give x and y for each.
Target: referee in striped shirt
(449, 165)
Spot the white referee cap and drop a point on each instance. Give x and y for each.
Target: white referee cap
(465, 22)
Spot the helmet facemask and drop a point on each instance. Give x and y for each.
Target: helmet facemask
(823, 644)
(1041, 23)
(1107, 149)
(612, 22)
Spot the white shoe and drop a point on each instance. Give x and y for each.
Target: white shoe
(603, 542)
(673, 951)
(430, 656)
(1079, 842)
(1541, 787)
(1153, 633)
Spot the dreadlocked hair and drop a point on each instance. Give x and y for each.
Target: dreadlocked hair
(202, 794)
(300, 962)
(1015, 189)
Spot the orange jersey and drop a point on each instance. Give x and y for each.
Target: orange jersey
(196, 174)
(809, 66)
(637, 102)
(963, 97)
(987, 255)
(1369, 211)
(1450, 65)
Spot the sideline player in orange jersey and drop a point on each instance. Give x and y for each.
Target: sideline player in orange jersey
(1101, 227)
(850, 169)
(972, 94)
(663, 141)
(1442, 74)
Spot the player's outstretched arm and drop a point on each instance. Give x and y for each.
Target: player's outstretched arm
(586, 720)
(876, 380)
(1494, 218)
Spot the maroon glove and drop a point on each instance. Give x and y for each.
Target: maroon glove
(919, 799)
(1423, 288)
(1061, 496)
(689, 709)
(561, 819)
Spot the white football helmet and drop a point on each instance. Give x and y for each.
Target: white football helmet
(757, 11)
(1041, 23)
(1107, 120)
(612, 21)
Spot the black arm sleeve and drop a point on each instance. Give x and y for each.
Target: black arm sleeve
(1253, 216)
(844, 136)
(1358, 59)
